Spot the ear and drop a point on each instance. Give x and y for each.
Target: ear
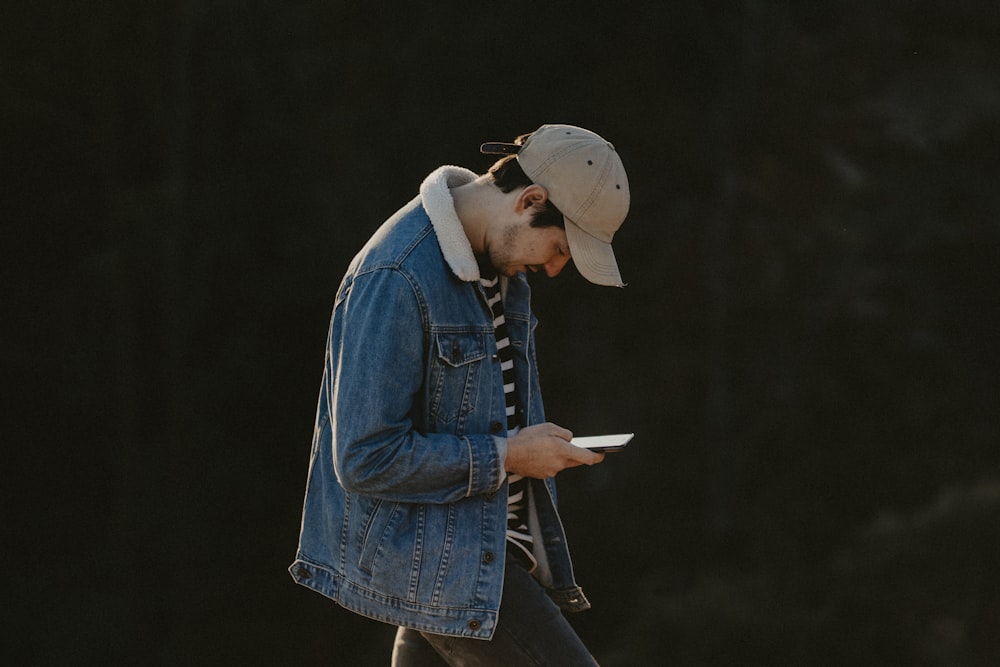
(533, 196)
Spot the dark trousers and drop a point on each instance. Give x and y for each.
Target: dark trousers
(531, 630)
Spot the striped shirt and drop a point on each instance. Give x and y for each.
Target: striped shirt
(517, 529)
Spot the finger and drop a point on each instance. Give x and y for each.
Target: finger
(561, 432)
(585, 456)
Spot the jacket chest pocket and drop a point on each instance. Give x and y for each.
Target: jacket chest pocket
(457, 375)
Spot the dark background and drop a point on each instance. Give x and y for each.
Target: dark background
(807, 350)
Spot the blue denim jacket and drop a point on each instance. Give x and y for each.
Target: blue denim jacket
(405, 509)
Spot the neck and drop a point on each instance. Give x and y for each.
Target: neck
(475, 204)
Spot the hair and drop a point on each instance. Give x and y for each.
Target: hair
(506, 174)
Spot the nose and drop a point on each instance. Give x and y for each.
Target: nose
(555, 265)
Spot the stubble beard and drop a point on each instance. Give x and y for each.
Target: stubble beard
(500, 257)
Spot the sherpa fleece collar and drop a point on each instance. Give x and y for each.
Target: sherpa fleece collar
(436, 197)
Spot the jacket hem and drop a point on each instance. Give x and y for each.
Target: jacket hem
(454, 622)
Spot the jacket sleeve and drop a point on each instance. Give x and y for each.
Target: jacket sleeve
(375, 362)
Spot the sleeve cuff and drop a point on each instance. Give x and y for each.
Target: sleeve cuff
(501, 445)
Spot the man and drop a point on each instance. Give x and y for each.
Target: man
(430, 501)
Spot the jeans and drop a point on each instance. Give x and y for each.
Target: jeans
(531, 630)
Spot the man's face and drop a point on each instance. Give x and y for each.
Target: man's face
(525, 248)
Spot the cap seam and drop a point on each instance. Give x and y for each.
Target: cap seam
(555, 156)
(598, 187)
(593, 195)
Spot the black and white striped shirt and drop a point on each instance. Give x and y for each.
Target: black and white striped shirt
(517, 506)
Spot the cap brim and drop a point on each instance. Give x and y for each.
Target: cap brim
(594, 259)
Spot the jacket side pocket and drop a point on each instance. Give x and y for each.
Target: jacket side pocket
(383, 517)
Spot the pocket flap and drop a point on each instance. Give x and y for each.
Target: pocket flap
(458, 349)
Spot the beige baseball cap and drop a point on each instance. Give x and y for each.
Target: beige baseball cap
(586, 180)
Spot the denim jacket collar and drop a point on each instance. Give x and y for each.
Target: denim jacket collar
(435, 193)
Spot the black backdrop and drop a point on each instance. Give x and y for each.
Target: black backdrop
(806, 349)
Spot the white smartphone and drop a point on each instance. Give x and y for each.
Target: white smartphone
(603, 443)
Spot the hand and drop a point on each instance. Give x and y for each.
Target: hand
(543, 450)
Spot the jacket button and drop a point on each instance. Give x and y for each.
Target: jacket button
(474, 625)
(303, 573)
(490, 495)
(496, 427)
(488, 556)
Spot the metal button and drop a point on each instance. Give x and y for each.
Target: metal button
(496, 427)
(488, 556)
(474, 625)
